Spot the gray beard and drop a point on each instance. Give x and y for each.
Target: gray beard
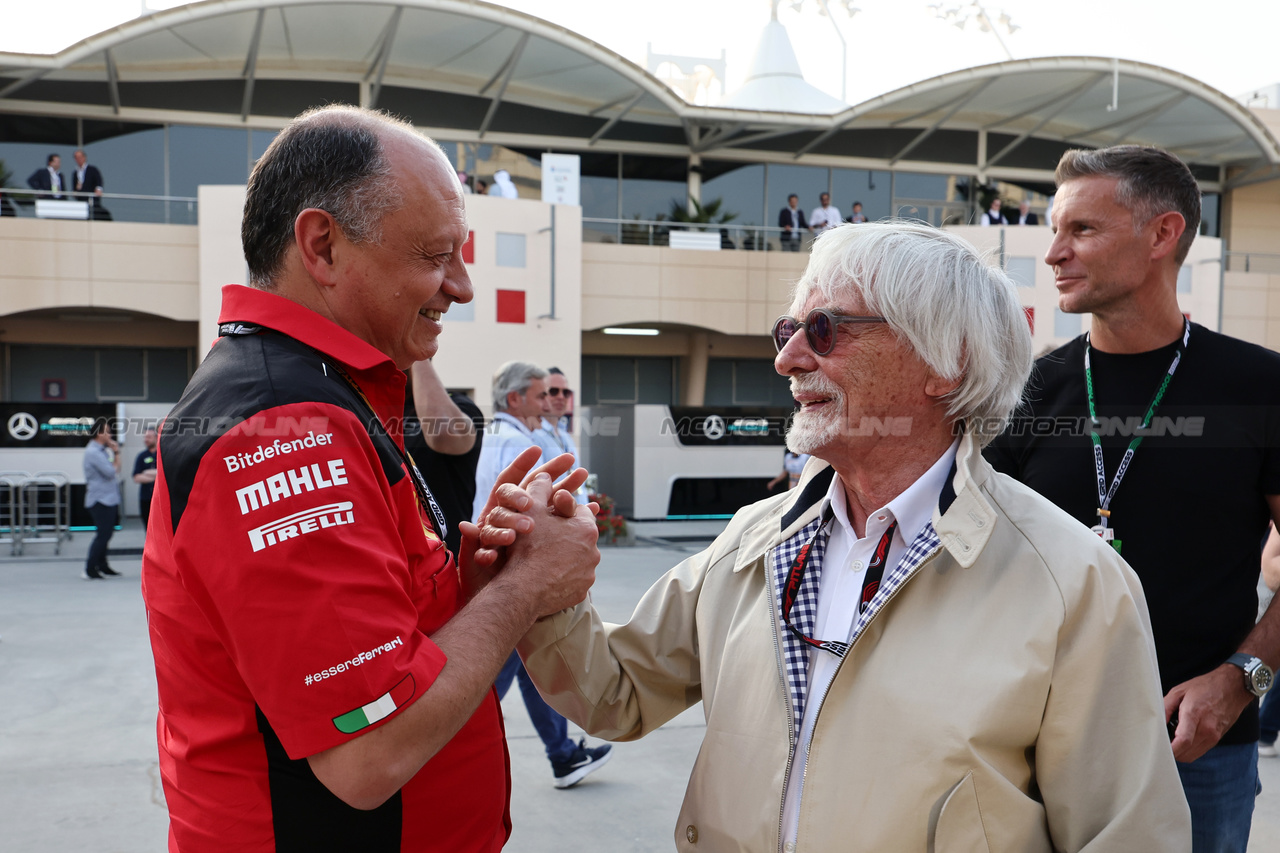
(809, 433)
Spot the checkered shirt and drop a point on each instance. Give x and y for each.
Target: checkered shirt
(805, 610)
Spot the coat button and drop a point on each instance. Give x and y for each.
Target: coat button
(691, 833)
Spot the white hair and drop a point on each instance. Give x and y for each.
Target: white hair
(513, 376)
(958, 312)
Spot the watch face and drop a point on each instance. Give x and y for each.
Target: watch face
(1262, 678)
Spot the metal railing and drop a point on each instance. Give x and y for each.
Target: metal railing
(1261, 262)
(657, 232)
(122, 207)
(35, 509)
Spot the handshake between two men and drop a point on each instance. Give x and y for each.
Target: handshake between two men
(533, 535)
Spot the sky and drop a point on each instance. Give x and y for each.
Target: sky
(1228, 44)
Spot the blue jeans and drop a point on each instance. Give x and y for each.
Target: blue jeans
(551, 727)
(1270, 717)
(1221, 786)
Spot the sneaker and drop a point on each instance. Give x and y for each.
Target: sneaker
(1267, 750)
(109, 572)
(581, 764)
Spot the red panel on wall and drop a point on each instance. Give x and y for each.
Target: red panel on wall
(510, 306)
(469, 248)
(1031, 318)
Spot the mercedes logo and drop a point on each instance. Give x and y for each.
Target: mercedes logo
(713, 427)
(23, 426)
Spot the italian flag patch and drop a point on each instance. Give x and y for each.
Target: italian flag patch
(378, 709)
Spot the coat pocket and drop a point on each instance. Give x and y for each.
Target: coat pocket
(959, 827)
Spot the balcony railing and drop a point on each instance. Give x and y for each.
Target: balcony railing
(656, 232)
(1261, 262)
(122, 207)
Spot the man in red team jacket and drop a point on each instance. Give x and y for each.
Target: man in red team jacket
(325, 667)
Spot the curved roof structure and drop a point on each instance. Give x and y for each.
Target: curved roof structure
(468, 70)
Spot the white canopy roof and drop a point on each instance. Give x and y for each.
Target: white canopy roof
(468, 70)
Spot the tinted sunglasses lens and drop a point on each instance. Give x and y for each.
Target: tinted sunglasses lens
(556, 392)
(821, 332)
(782, 332)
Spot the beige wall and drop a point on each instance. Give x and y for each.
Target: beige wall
(1251, 308)
(1251, 218)
(733, 292)
(49, 263)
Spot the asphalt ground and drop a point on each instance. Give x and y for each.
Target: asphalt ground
(77, 749)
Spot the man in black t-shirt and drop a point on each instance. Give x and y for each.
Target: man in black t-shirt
(443, 433)
(144, 474)
(1186, 423)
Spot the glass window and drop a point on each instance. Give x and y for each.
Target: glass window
(917, 185)
(740, 192)
(808, 182)
(206, 155)
(618, 380)
(100, 374)
(509, 250)
(21, 159)
(652, 186)
(258, 142)
(1022, 271)
(132, 163)
(746, 382)
(862, 185)
(1209, 213)
(168, 371)
(30, 365)
(122, 374)
(656, 378)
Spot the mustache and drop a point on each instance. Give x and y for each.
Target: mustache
(815, 383)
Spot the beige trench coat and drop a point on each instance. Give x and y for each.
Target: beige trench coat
(1006, 699)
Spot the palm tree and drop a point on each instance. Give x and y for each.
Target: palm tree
(709, 214)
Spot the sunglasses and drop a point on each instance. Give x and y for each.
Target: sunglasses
(819, 329)
(556, 392)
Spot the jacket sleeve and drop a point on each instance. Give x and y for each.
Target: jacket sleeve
(1109, 714)
(621, 682)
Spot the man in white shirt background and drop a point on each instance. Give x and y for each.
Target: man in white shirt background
(825, 216)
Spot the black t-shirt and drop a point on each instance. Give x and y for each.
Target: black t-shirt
(1191, 510)
(145, 461)
(452, 479)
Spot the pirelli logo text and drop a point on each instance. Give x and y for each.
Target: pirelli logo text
(295, 481)
(302, 523)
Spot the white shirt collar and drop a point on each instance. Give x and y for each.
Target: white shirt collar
(912, 509)
(503, 417)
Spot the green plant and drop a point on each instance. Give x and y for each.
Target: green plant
(708, 214)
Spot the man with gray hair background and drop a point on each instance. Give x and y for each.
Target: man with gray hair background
(519, 402)
(908, 651)
(1186, 498)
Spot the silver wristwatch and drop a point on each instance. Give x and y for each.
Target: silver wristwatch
(1258, 677)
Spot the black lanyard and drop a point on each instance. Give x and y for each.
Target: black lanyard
(870, 583)
(421, 493)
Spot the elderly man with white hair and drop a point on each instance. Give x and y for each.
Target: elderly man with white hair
(909, 651)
